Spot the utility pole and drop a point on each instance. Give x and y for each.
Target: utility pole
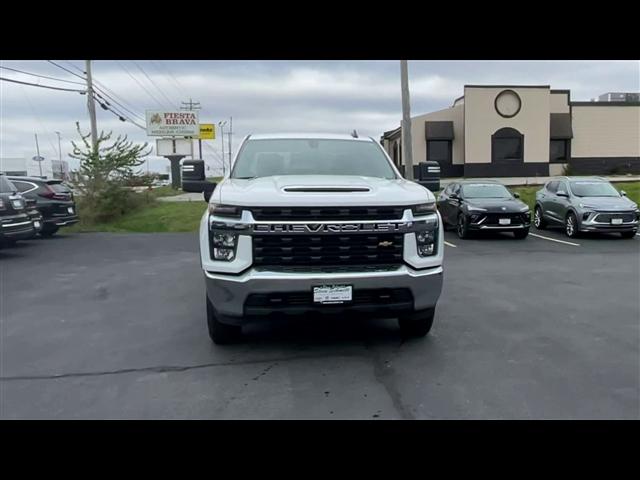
(191, 105)
(406, 122)
(221, 125)
(38, 153)
(230, 133)
(92, 108)
(60, 156)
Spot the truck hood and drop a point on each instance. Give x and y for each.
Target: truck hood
(319, 190)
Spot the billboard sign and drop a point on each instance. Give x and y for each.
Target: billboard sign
(207, 131)
(178, 123)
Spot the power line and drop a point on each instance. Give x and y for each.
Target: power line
(41, 76)
(67, 70)
(120, 115)
(152, 82)
(141, 85)
(43, 86)
(116, 102)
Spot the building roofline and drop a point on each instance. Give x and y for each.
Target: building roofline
(604, 104)
(560, 91)
(507, 86)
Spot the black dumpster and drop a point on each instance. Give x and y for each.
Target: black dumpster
(427, 174)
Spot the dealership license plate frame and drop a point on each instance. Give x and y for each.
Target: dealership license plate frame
(504, 221)
(333, 294)
(616, 221)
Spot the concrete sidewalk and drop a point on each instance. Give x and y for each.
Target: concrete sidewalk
(184, 197)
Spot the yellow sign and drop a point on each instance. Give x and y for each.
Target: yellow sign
(207, 131)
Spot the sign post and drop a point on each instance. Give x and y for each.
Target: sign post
(207, 132)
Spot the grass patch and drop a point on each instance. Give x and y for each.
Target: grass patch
(155, 217)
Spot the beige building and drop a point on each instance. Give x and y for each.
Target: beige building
(524, 130)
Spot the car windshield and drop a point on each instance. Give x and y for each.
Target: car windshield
(485, 190)
(6, 186)
(593, 189)
(263, 158)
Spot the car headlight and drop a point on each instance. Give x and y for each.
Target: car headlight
(584, 205)
(476, 209)
(524, 209)
(427, 236)
(225, 210)
(424, 208)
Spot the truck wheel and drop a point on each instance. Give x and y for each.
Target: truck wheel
(221, 333)
(538, 220)
(520, 234)
(48, 232)
(418, 323)
(630, 234)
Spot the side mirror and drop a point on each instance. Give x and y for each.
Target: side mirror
(516, 194)
(562, 193)
(455, 196)
(623, 193)
(208, 190)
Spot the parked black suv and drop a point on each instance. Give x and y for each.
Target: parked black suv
(53, 199)
(15, 224)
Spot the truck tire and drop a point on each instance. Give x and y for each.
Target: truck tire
(221, 333)
(417, 324)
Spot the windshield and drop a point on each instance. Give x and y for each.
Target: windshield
(6, 186)
(485, 190)
(593, 189)
(263, 158)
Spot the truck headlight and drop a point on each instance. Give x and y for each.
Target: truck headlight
(426, 236)
(223, 245)
(424, 208)
(225, 210)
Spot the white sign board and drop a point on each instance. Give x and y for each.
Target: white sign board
(174, 146)
(178, 123)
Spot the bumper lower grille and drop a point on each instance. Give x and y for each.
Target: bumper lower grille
(327, 213)
(493, 219)
(328, 250)
(365, 300)
(607, 217)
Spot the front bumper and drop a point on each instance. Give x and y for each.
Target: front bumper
(19, 227)
(228, 293)
(61, 221)
(591, 225)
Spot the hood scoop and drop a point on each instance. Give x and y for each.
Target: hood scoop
(319, 189)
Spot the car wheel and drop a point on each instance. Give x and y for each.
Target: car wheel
(520, 234)
(48, 232)
(462, 227)
(571, 225)
(417, 324)
(221, 333)
(538, 220)
(630, 234)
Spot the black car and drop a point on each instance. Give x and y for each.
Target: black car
(483, 205)
(53, 199)
(15, 224)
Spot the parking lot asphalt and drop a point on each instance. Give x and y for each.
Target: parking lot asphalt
(113, 326)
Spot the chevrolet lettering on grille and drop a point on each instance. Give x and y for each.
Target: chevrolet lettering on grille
(332, 227)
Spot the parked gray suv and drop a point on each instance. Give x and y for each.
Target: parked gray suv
(582, 204)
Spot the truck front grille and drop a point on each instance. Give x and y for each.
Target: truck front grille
(327, 213)
(328, 250)
(607, 217)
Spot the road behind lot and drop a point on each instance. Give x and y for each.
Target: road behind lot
(112, 326)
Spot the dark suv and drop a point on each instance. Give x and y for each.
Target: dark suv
(53, 199)
(15, 223)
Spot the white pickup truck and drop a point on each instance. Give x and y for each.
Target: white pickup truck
(308, 224)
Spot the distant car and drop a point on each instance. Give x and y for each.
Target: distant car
(581, 204)
(483, 205)
(54, 200)
(15, 223)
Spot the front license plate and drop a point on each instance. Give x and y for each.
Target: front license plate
(70, 210)
(504, 221)
(332, 293)
(616, 221)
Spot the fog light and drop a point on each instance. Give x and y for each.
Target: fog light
(224, 239)
(424, 237)
(426, 250)
(226, 254)
(585, 215)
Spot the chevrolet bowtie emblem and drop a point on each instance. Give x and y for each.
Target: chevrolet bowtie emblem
(386, 243)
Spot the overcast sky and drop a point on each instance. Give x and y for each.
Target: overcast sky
(268, 96)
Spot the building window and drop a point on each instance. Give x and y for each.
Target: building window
(439, 151)
(559, 151)
(507, 146)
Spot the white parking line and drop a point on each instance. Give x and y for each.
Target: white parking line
(450, 244)
(555, 240)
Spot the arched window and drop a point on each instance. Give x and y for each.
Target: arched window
(507, 146)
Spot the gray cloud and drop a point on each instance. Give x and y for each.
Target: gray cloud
(266, 96)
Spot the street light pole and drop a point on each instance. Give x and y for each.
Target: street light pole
(60, 156)
(38, 153)
(221, 125)
(406, 121)
(230, 133)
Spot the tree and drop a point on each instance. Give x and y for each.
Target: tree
(104, 174)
